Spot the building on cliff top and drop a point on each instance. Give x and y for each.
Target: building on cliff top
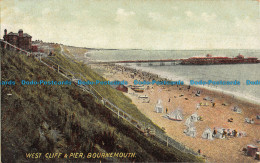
(20, 39)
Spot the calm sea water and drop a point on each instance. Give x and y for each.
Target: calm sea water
(239, 72)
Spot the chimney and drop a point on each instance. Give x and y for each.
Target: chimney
(5, 31)
(20, 33)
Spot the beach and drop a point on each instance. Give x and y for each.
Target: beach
(173, 97)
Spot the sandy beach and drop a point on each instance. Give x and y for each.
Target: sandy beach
(172, 97)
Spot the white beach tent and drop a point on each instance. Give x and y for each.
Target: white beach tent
(219, 134)
(188, 122)
(158, 107)
(194, 117)
(176, 115)
(191, 131)
(237, 109)
(207, 134)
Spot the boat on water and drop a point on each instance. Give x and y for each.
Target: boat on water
(210, 60)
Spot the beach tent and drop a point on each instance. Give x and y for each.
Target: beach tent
(241, 134)
(219, 133)
(198, 93)
(208, 99)
(188, 122)
(158, 107)
(207, 134)
(194, 117)
(250, 121)
(176, 115)
(237, 109)
(191, 131)
(251, 150)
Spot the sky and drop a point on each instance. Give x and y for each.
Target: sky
(137, 24)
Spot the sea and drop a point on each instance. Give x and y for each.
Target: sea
(186, 73)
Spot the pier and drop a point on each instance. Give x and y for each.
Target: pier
(208, 60)
(161, 62)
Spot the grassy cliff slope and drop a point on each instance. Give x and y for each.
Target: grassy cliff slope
(48, 119)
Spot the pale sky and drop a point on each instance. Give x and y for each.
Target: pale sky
(142, 24)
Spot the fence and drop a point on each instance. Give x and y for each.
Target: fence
(147, 129)
(8, 45)
(141, 126)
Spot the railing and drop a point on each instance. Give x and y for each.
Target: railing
(15, 47)
(147, 129)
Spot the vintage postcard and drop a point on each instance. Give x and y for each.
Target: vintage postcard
(130, 81)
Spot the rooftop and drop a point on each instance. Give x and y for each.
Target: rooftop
(16, 34)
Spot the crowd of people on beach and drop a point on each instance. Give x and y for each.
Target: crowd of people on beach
(226, 133)
(134, 73)
(216, 133)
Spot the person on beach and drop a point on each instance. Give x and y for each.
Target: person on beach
(169, 100)
(224, 135)
(166, 110)
(214, 132)
(198, 106)
(230, 120)
(229, 133)
(235, 133)
(199, 151)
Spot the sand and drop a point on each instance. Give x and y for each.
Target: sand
(217, 150)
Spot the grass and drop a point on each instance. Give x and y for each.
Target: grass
(48, 119)
(116, 97)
